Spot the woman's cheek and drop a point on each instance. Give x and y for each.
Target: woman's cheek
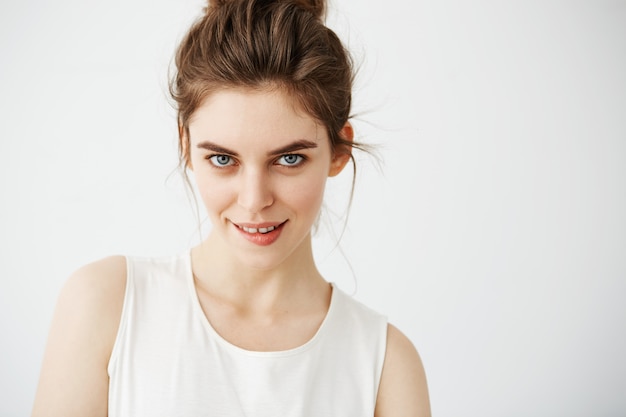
(308, 194)
(215, 193)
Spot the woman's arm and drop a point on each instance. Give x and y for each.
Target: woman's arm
(74, 379)
(403, 391)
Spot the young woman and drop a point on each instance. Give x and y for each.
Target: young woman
(243, 324)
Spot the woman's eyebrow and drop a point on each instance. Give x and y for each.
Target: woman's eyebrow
(216, 148)
(292, 147)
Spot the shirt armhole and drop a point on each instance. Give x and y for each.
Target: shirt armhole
(381, 352)
(121, 330)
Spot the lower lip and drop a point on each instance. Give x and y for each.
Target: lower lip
(262, 239)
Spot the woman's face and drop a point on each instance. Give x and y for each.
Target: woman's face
(261, 166)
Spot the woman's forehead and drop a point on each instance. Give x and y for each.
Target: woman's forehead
(243, 114)
(253, 97)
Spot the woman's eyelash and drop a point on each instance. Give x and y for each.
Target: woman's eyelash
(291, 160)
(221, 160)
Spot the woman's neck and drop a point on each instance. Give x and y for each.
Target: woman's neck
(222, 274)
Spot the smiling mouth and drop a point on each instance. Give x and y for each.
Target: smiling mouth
(252, 230)
(261, 230)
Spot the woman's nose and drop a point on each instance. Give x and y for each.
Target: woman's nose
(255, 191)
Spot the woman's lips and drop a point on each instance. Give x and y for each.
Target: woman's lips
(261, 230)
(261, 234)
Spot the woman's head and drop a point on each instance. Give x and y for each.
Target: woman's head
(265, 45)
(261, 165)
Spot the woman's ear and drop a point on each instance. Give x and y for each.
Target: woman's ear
(183, 137)
(342, 152)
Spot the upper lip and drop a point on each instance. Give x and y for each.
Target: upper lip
(259, 225)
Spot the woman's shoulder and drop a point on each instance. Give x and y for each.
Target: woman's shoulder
(403, 389)
(91, 301)
(74, 378)
(105, 269)
(96, 284)
(96, 292)
(403, 386)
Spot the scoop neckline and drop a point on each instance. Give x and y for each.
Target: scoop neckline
(206, 324)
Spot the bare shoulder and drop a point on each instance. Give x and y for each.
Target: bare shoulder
(74, 379)
(403, 389)
(101, 280)
(93, 297)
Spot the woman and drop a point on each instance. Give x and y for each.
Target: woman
(243, 324)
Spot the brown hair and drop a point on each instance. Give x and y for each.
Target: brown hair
(265, 44)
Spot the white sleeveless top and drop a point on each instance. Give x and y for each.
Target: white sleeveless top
(168, 361)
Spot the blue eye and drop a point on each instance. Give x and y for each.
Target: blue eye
(290, 160)
(221, 160)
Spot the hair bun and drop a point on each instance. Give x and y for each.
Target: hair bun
(315, 7)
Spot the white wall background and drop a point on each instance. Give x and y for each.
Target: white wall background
(495, 235)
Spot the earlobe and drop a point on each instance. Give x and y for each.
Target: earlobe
(342, 153)
(338, 164)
